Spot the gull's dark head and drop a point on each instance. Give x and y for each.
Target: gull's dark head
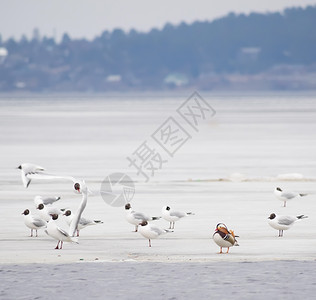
(144, 223)
(26, 212)
(54, 216)
(279, 189)
(128, 206)
(67, 213)
(272, 216)
(19, 167)
(40, 206)
(77, 187)
(167, 208)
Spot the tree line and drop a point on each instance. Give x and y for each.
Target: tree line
(241, 44)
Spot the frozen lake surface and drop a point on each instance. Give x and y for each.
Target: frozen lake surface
(225, 172)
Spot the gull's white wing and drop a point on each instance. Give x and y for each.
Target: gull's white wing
(178, 214)
(84, 221)
(140, 216)
(26, 181)
(50, 200)
(62, 231)
(38, 222)
(286, 220)
(46, 176)
(157, 230)
(47, 200)
(289, 195)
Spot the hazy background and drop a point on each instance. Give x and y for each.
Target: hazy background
(83, 18)
(101, 46)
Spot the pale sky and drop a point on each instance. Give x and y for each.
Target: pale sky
(89, 18)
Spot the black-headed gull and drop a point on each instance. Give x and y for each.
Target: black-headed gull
(224, 238)
(135, 217)
(286, 195)
(45, 200)
(31, 171)
(27, 170)
(33, 222)
(57, 233)
(150, 231)
(83, 222)
(172, 215)
(283, 222)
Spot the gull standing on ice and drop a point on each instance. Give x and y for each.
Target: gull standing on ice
(33, 222)
(286, 195)
(172, 215)
(283, 222)
(83, 222)
(224, 238)
(57, 233)
(150, 231)
(136, 218)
